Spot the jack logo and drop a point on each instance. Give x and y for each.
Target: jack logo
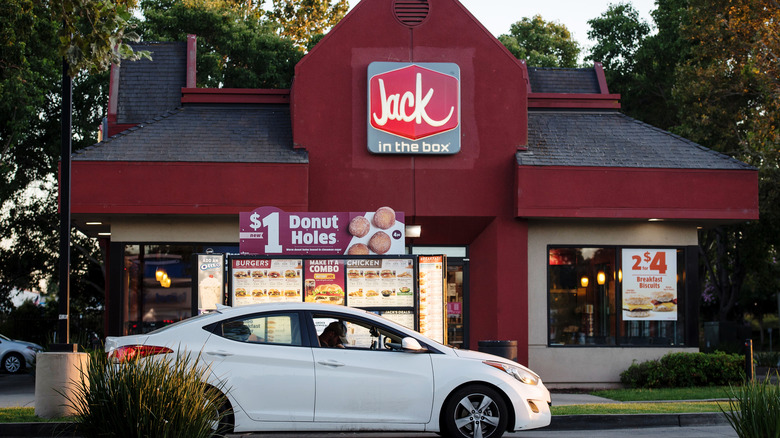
(414, 102)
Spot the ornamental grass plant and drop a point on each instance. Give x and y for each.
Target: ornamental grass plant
(754, 409)
(162, 398)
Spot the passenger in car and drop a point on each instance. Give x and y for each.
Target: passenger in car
(332, 335)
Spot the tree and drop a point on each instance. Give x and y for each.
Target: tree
(36, 36)
(620, 33)
(729, 90)
(302, 20)
(235, 50)
(541, 43)
(639, 66)
(94, 33)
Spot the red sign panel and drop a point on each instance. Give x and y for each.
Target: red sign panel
(414, 102)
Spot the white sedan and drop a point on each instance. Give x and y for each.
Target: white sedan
(286, 372)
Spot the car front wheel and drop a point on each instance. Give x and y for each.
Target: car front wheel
(13, 363)
(475, 411)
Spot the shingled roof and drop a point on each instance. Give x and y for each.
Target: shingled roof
(563, 80)
(612, 139)
(148, 88)
(205, 133)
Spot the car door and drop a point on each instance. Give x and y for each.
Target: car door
(267, 368)
(358, 384)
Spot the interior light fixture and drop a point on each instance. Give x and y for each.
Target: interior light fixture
(95, 223)
(584, 281)
(159, 274)
(655, 220)
(413, 231)
(601, 277)
(104, 234)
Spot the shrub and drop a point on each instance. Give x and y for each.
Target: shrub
(754, 409)
(676, 370)
(162, 398)
(767, 359)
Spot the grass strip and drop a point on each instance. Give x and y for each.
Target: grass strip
(640, 408)
(696, 393)
(26, 415)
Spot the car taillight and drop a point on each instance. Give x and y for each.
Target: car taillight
(131, 352)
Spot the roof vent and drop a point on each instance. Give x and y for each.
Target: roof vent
(411, 12)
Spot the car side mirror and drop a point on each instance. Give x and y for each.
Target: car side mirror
(411, 344)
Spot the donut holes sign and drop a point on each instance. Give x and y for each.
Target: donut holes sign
(413, 108)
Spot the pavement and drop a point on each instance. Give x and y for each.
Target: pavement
(19, 391)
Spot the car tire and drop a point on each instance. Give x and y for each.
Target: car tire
(223, 422)
(475, 408)
(13, 363)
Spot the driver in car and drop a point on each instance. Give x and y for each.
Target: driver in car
(332, 335)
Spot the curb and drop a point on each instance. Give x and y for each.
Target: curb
(559, 423)
(631, 421)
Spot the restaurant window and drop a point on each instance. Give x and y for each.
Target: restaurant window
(615, 296)
(157, 284)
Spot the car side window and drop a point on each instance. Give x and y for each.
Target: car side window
(278, 328)
(357, 333)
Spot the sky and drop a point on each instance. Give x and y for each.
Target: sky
(498, 15)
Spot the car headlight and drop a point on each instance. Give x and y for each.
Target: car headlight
(518, 373)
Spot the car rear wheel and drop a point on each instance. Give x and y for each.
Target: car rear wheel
(13, 363)
(475, 411)
(222, 422)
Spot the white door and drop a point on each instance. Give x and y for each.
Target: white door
(271, 375)
(357, 384)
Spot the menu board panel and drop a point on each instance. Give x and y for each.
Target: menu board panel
(265, 280)
(380, 283)
(402, 317)
(210, 280)
(324, 281)
(649, 284)
(431, 282)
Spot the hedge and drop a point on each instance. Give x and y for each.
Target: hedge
(676, 370)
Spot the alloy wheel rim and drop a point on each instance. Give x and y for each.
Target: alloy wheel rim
(477, 416)
(12, 364)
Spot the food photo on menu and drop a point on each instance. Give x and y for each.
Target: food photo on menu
(380, 232)
(324, 281)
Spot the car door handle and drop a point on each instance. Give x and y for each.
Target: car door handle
(220, 353)
(330, 363)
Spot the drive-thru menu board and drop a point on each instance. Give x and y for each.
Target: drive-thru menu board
(265, 280)
(395, 287)
(431, 281)
(380, 283)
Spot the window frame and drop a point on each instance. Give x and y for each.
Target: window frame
(687, 311)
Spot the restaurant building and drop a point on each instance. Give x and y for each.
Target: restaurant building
(568, 227)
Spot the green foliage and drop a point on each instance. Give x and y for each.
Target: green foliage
(766, 359)
(164, 397)
(685, 370)
(620, 33)
(541, 43)
(94, 33)
(754, 409)
(302, 20)
(639, 66)
(234, 50)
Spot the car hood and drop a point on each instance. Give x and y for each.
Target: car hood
(478, 355)
(29, 344)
